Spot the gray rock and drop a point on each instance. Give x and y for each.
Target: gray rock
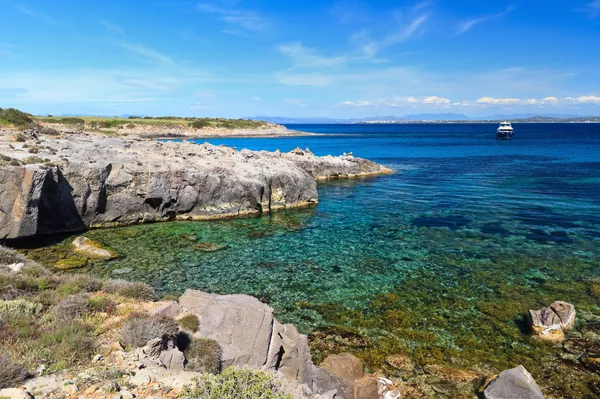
(170, 309)
(515, 383)
(173, 359)
(551, 322)
(156, 182)
(15, 393)
(289, 353)
(120, 272)
(241, 324)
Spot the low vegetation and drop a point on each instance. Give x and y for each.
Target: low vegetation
(236, 383)
(54, 319)
(140, 329)
(204, 355)
(11, 374)
(11, 116)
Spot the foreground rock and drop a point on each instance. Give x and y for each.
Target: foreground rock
(79, 181)
(550, 323)
(249, 335)
(515, 383)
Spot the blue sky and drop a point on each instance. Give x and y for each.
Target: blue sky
(348, 58)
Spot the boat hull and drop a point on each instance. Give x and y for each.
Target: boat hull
(504, 136)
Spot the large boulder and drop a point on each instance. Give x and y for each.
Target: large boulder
(240, 324)
(515, 383)
(289, 353)
(344, 365)
(551, 322)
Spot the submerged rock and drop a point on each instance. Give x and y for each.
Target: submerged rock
(93, 249)
(210, 247)
(550, 323)
(515, 383)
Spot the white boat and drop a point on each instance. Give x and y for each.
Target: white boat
(505, 131)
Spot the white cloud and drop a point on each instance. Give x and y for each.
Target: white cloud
(246, 19)
(146, 52)
(497, 101)
(149, 84)
(198, 106)
(36, 14)
(549, 100)
(111, 27)
(467, 25)
(435, 100)
(406, 31)
(592, 8)
(306, 57)
(584, 100)
(442, 102)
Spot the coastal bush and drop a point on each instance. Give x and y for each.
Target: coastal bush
(200, 124)
(204, 355)
(21, 138)
(189, 322)
(19, 307)
(15, 117)
(32, 160)
(71, 307)
(101, 303)
(66, 344)
(135, 290)
(141, 328)
(9, 256)
(235, 383)
(11, 374)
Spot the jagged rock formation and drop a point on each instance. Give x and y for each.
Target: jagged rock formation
(91, 180)
(250, 336)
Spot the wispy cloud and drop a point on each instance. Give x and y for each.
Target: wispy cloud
(146, 52)
(593, 8)
(407, 25)
(148, 84)
(465, 26)
(250, 20)
(303, 79)
(113, 28)
(305, 57)
(36, 14)
(295, 101)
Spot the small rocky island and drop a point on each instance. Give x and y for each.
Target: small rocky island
(73, 181)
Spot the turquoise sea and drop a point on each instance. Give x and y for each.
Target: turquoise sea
(439, 262)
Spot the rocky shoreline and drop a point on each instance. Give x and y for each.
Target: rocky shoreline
(74, 181)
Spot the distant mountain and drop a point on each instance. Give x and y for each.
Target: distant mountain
(496, 117)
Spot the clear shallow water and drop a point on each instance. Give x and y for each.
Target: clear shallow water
(439, 261)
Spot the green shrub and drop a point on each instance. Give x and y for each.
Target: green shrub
(20, 306)
(141, 328)
(204, 355)
(11, 374)
(15, 117)
(21, 138)
(14, 162)
(71, 307)
(9, 256)
(235, 383)
(85, 283)
(32, 160)
(136, 290)
(66, 344)
(199, 124)
(189, 322)
(101, 304)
